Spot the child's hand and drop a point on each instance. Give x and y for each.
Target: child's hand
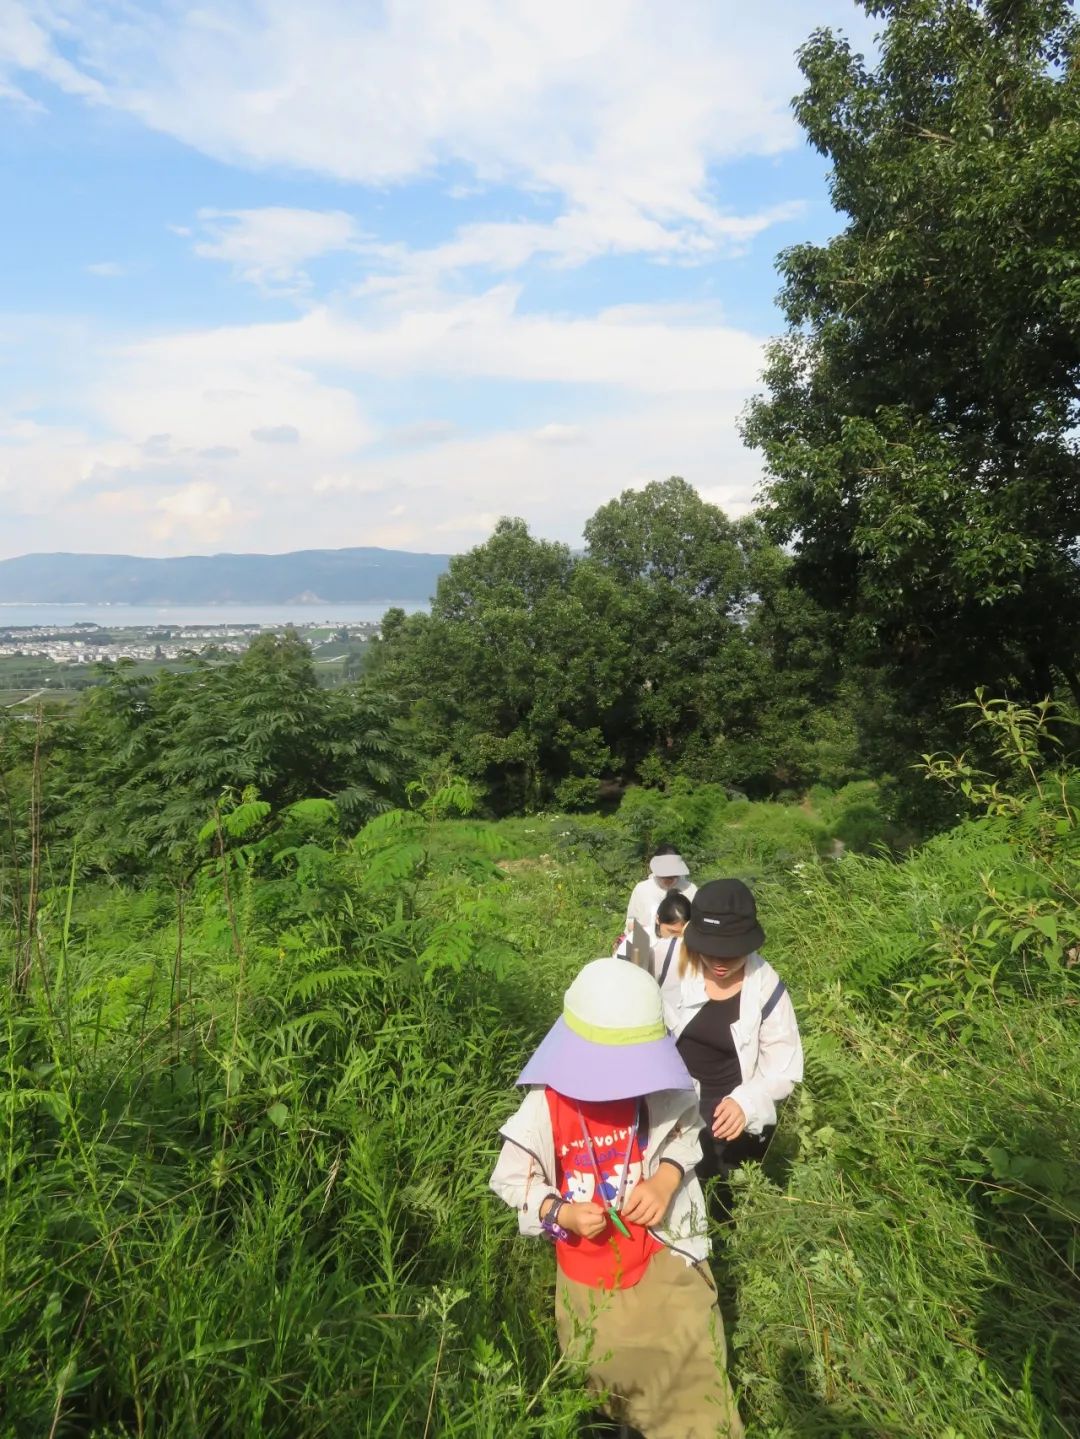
(650, 1198)
(729, 1121)
(585, 1218)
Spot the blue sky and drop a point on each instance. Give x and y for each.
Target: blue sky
(346, 273)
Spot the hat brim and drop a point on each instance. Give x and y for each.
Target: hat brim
(582, 1069)
(723, 946)
(670, 872)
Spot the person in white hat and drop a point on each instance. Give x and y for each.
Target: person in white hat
(667, 872)
(600, 1157)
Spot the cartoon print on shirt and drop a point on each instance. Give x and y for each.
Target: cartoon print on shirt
(579, 1179)
(610, 1187)
(580, 1186)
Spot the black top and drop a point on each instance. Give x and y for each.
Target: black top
(708, 1051)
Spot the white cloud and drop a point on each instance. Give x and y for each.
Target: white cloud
(611, 123)
(276, 435)
(556, 488)
(378, 93)
(28, 45)
(121, 502)
(206, 398)
(270, 246)
(609, 225)
(198, 514)
(619, 110)
(556, 434)
(199, 511)
(146, 471)
(107, 269)
(422, 432)
(649, 348)
(12, 94)
(345, 482)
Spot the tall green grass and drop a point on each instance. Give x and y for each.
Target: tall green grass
(247, 1129)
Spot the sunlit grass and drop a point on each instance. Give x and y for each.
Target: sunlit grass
(244, 1167)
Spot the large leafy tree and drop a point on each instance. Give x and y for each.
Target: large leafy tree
(734, 673)
(689, 570)
(133, 772)
(674, 644)
(688, 574)
(920, 427)
(508, 677)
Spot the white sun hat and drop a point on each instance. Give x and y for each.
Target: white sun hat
(668, 866)
(611, 1041)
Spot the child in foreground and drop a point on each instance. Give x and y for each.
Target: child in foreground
(600, 1157)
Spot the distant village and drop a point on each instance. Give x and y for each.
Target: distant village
(86, 643)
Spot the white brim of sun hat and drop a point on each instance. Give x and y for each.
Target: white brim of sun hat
(668, 866)
(610, 1042)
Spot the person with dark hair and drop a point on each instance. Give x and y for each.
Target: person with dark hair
(735, 1027)
(672, 915)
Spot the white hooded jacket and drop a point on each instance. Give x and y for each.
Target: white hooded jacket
(770, 1051)
(525, 1173)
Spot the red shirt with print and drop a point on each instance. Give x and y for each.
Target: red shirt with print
(610, 1261)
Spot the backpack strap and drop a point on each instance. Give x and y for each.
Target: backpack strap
(773, 999)
(667, 961)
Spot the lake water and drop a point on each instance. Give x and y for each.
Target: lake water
(142, 616)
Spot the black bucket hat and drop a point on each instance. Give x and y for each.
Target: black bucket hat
(723, 921)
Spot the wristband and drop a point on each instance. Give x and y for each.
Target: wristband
(551, 1225)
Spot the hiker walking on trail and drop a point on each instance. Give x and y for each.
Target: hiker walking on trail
(668, 873)
(600, 1157)
(735, 1026)
(672, 917)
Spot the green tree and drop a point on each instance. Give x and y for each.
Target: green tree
(920, 427)
(734, 678)
(676, 643)
(505, 679)
(134, 770)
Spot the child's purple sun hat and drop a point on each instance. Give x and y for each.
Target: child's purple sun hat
(611, 1042)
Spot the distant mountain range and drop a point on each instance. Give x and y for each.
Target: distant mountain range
(305, 575)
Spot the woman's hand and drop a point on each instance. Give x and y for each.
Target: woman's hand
(729, 1121)
(650, 1199)
(585, 1218)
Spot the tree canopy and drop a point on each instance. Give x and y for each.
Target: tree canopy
(920, 427)
(668, 647)
(133, 770)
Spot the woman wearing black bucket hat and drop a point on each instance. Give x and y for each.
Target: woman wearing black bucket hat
(735, 1026)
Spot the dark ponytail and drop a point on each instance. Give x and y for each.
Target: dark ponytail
(674, 908)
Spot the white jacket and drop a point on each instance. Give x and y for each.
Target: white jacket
(525, 1173)
(645, 901)
(770, 1053)
(671, 989)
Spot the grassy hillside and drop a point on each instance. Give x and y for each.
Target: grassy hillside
(248, 1128)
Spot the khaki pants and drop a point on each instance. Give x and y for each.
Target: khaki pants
(657, 1349)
